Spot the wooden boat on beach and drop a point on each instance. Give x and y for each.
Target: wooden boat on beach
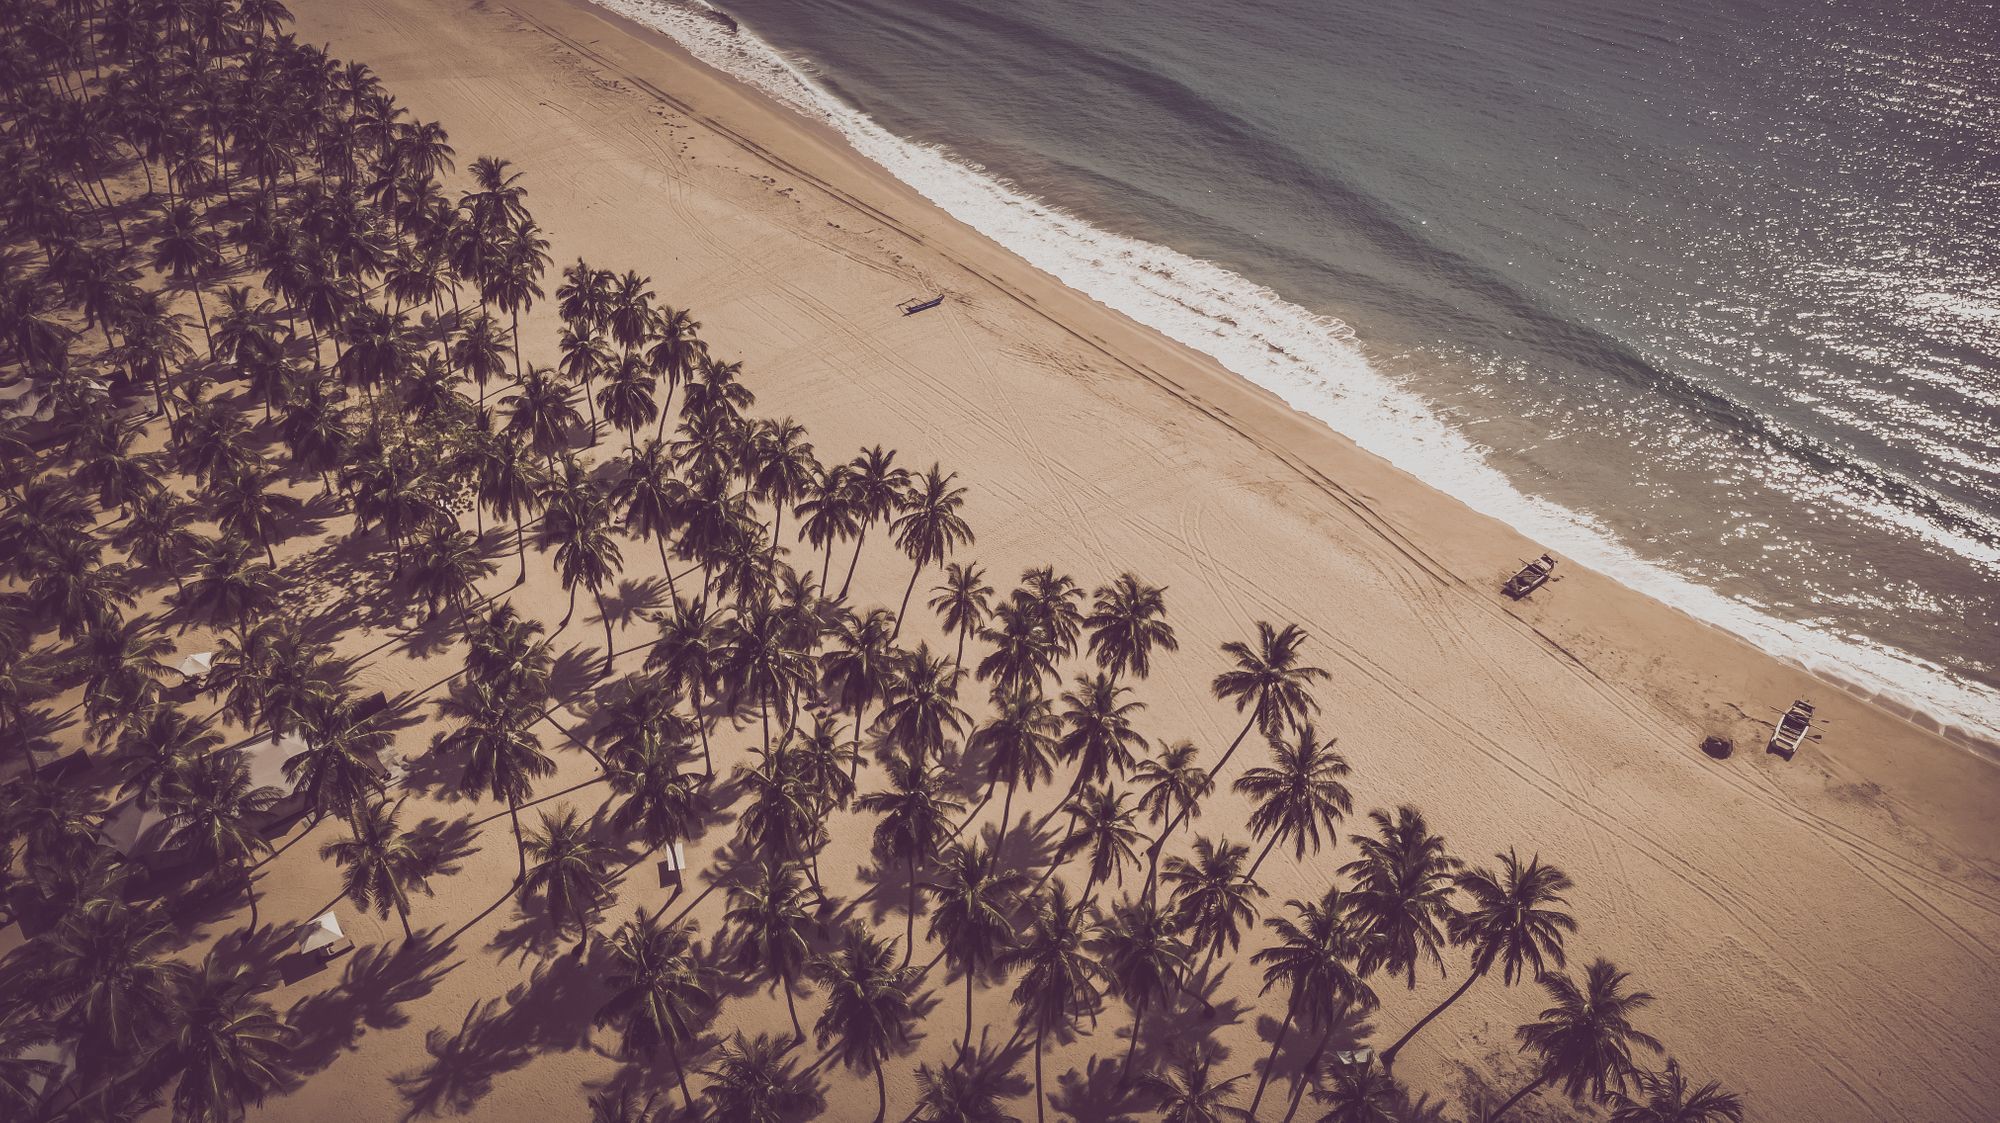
(1532, 576)
(915, 305)
(1792, 730)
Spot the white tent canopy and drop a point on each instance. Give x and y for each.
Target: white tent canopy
(197, 664)
(322, 933)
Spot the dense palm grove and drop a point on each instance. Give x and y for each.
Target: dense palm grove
(248, 293)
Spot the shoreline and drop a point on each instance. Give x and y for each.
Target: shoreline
(1568, 724)
(1904, 684)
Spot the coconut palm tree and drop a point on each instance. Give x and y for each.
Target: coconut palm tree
(230, 587)
(446, 568)
(875, 487)
(963, 604)
(22, 1077)
(214, 812)
(773, 931)
(105, 975)
(1360, 1094)
(578, 527)
(869, 1011)
(862, 665)
(785, 469)
(379, 866)
(501, 757)
(571, 870)
(480, 348)
(660, 990)
(1298, 795)
(513, 284)
(1097, 730)
(627, 397)
(1313, 958)
(509, 484)
(1402, 893)
(341, 764)
(243, 504)
(675, 351)
(1188, 1092)
(1174, 787)
(916, 818)
(1100, 826)
(751, 1081)
(1126, 622)
(1269, 682)
(973, 917)
(227, 1047)
(1018, 743)
(929, 527)
(651, 496)
(79, 591)
(542, 411)
(585, 355)
(1670, 1097)
(686, 654)
(921, 705)
(153, 749)
(156, 534)
(1515, 919)
(1142, 956)
(962, 1093)
(1214, 898)
(1059, 980)
(1584, 1041)
(626, 1106)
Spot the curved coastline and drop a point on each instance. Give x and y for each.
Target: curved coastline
(1311, 363)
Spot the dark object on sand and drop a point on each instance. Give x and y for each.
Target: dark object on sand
(912, 307)
(1792, 730)
(1533, 576)
(1718, 747)
(673, 867)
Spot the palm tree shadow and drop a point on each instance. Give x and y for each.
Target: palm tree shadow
(573, 672)
(432, 635)
(1096, 1093)
(441, 845)
(551, 1011)
(632, 600)
(378, 981)
(1023, 848)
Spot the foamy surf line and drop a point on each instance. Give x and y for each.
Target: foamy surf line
(1309, 361)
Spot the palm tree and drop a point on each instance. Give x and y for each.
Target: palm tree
(961, 1093)
(513, 283)
(1515, 919)
(510, 485)
(1360, 1094)
(214, 812)
(963, 603)
(916, 819)
(1142, 955)
(1269, 682)
(446, 568)
(541, 411)
(627, 397)
(153, 749)
(584, 356)
(930, 526)
(228, 1047)
(1585, 1040)
(480, 349)
(1174, 786)
(379, 865)
(579, 528)
(23, 1077)
(752, 1082)
(1312, 958)
(1402, 892)
(869, 1011)
(686, 654)
(1669, 1097)
(675, 351)
(342, 761)
(659, 991)
(626, 1106)
(1023, 649)
(922, 704)
(243, 505)
(1097, 730)
(862, 665)
(156, 534)
(1188, 1093)
(773, 931)
(1126, 622)
(875, 487)
(1214, 899)
(651, 496)
(785, 469)
(1100, 826)
(1019, 745)
(501, 757)
(106, 975)
(973, 918)
(572, 871)
(1298, 796)
(230, 586)
(1059, 981)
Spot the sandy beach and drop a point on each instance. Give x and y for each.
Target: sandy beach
(1823, 935)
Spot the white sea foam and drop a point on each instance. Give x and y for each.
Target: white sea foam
(1308, 360)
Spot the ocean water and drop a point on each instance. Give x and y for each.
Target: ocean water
(1704, 296)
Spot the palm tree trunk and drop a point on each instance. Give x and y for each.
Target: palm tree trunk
(1138, 1022)
(965, 1046)
(1299, 1085)
(1263, 854)
(1038, 1075)
(792, 1007)
(1006, 820)
(1231, 751)
(521, 547)
(881, 1095)
(860, 537)
(905, 606)
(1516, 1097)
(1291, 1010)
(250, 895)
(403, 913)
(1389, 1054)
(910, 917)
(610, 644)
(520, 847)
(686, 1099)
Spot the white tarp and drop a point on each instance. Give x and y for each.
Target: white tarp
(196, 665)
(322, 933)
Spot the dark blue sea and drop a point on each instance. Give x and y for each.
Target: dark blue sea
(1703, 295)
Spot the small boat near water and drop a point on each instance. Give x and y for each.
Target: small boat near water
(917, 304)
(1793, 730)
(1532, 576)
